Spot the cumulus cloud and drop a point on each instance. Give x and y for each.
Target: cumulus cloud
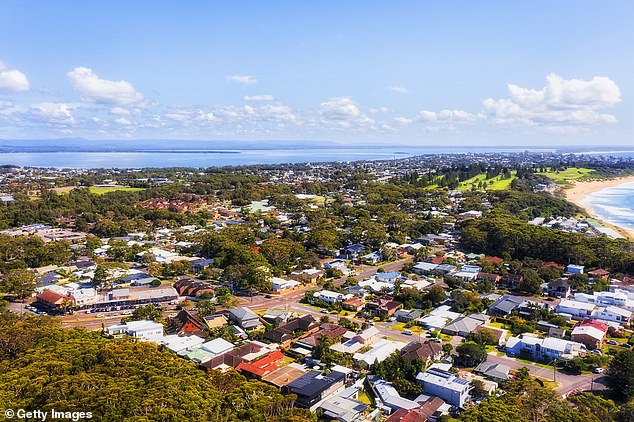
(242, 79)
(50, 113)
(123, 121)
(343, 111)
(119, 111)
(447, 116)
(560, 102)
(103, 91)
(12, 80)
(403, 120)
(256, 98)
(399, 88)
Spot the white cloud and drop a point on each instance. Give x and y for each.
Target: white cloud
(447, 116)
(561, 102)
(93, 88)
(12, 80)
(399, 88)
(403, 120)
(379, 110)
(257, 98)
(122, 121)
(344, 111)
(119, 111)
(242, 79)
(50, 113)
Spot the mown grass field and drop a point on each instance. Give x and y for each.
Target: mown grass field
(496, 183)
(100, 190)
(570, 174)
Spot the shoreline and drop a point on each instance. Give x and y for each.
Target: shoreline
(580, 190)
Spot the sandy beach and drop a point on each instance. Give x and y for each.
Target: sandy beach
(580, 190)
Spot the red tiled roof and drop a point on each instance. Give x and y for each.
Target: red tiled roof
(593, 323)
(261, 367)
(50, 297)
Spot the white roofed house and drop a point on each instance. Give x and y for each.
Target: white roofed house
(330, 296)
(613, 314)
(543, 349)
(575, 308)
(281, 284)
(445, 385)
(143, 330)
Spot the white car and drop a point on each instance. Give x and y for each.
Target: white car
(599, 370)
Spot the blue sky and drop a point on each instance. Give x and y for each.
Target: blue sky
(409, 72)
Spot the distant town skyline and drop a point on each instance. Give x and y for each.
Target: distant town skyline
(421, 73)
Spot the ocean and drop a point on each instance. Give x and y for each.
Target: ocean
(614, 205)
(203, 158)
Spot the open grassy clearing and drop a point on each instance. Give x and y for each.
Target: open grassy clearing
(570, 174)
(496, 183)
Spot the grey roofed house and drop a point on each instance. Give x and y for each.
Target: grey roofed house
(344, 407)
(310, 386)
(138, 279)
(446, 268)
(245, 318)
(465, 325)
(495, 371)
(505, 305)
(406, 315)
(201, 264)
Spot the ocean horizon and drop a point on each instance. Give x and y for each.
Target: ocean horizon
(614, 205)
(202, 158)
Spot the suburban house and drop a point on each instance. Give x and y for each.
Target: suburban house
(143, 330)
(426, 351)
(259, 368)
(354, 304)
(245, 318)
(591, 333)
(186, 323)
(428, 411)
(560, 288)
(53, 302)
(281, 284)
(424, 268)
(340, 265)
(494, 371)
(543, 349)
(199, 352)
(613, 314)
(389, 400)
(512, 280)
(345, 406)
(215, 321)
(602, 274)
(499, 334)
(284, 375)
(314, 387)
(438, 318)
(364, 338)
(493, 278)
(200, 264)
(332, 331)
(574, 269)
(465, 325)
(248, 352)
(407, 315)
(575, 308)
(446, 385)
(330, 296)
(309, 275)
(380, 350)
(286, 332)
(353, 251)
(383, 307)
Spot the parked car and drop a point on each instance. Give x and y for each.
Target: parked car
(99, 316)
(613, 342)
(597, 352)
(323, 311)
(599, 370)
(624, 345)
(408, 332)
